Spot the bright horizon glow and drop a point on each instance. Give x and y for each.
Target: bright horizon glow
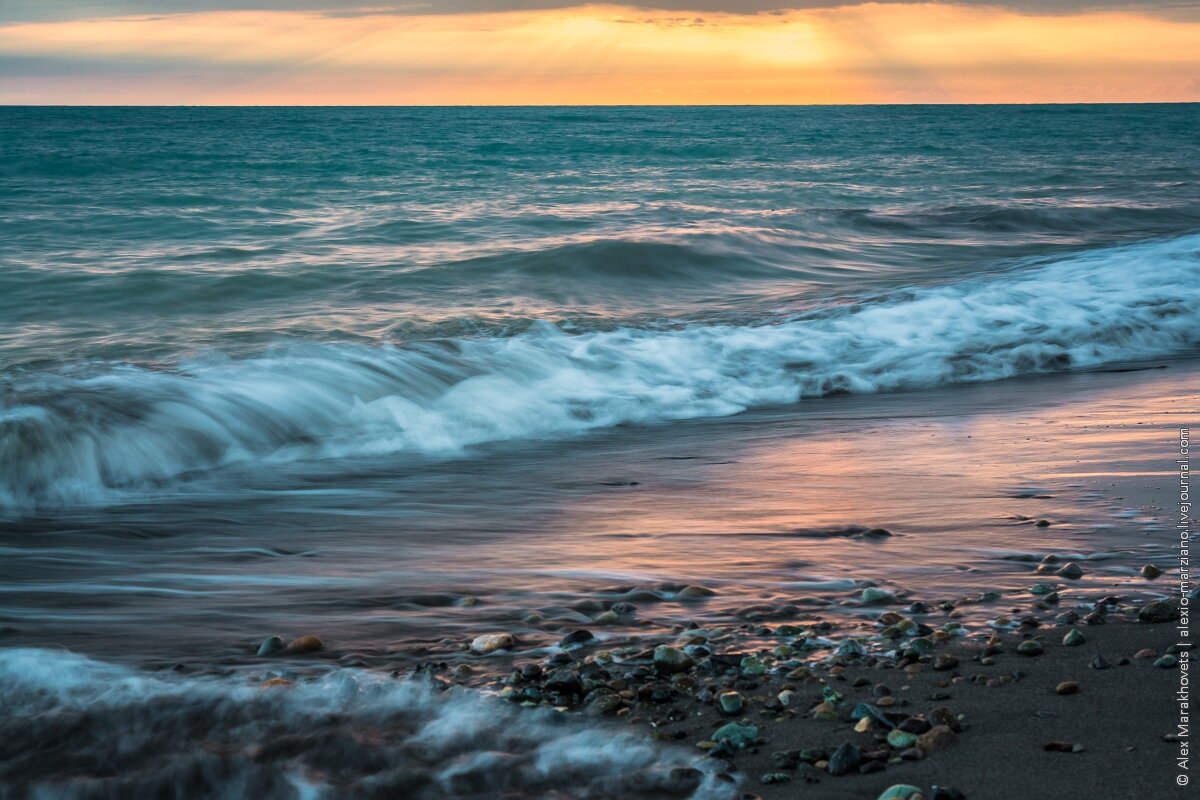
(604, 55)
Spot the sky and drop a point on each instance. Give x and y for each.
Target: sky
(340, 52)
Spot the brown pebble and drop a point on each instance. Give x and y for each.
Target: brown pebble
(935, 738)
(1067, 687)
(305, 644)
(1145, 653)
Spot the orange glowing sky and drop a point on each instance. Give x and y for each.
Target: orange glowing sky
(601, 54)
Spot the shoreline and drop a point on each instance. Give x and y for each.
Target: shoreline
(1102, 485)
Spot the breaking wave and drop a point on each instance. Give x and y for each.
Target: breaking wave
(77, 728)
(75, 438)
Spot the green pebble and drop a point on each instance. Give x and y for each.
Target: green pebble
(1073, 638)
(1030, 648)
(901, 740)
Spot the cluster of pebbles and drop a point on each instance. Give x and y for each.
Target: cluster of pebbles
(725, 689)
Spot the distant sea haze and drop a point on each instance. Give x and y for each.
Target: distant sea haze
(188, 290)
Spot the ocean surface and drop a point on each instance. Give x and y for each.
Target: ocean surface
(400, 376)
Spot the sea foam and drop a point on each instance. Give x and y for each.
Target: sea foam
(74, 727)
(86, 438)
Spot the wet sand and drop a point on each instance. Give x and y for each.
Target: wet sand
(772, 514)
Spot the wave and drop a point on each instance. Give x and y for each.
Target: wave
(77, 728)
(70, 438)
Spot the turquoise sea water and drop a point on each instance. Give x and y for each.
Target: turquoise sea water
(401, 376)
(186, 289)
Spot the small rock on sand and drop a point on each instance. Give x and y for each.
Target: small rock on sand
(1071, 570)
(902, 791)
(491, 642)
(694, 593)
(305, 644)
(270, 646)
(1067, 687)
(671, 659)
(1158, 611)
(936, 738)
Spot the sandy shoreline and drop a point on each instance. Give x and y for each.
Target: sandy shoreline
(1095, 463)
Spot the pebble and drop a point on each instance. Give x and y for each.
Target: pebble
(1030, 647)
(936, 738)
(874, 596)
(1067, 687)
(845, 759)
(1145, 653)
(576, 638)
(1041, 589)
(305, 644)
(775, 777)
(738, 735)
(1099, 662)
(670, 659)
(694, 593)
(946, 793)
(1166, 662)
(1073, 638)
(902, 791)
(491, 642)
(1070, 570)
(731, 702)
(1158, 611)
(1150, 572)
(609, 617)
(901, 740)
(270, 646)
(944, 662)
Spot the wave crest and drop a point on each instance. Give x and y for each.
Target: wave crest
(76, 439)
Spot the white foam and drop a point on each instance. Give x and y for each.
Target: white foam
(76, 439)
(144, 726)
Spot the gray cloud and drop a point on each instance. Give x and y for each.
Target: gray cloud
(47, 10)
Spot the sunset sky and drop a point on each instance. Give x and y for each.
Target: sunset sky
(498, 52)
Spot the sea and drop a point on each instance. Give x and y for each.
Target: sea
(398, 377)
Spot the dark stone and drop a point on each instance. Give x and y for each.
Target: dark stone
(603, 702)
(845, 759)
(559, 660)
(868, 711)
(814, 754)
(872, 766)
(916, 725)
(565, 681)
(785, 759)
(944, 662)
(1158, 611)
(576, 638)
(944, 716)
(946, 793)
(1099, 663)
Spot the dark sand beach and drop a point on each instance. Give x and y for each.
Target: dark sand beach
(1093, 458)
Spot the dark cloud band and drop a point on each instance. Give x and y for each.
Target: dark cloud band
(46, 10)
